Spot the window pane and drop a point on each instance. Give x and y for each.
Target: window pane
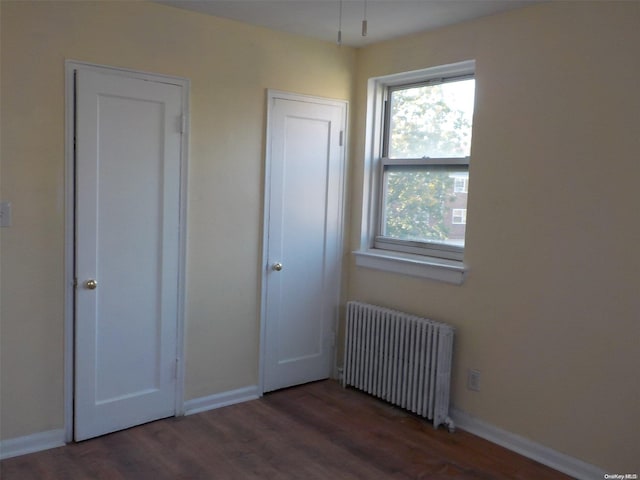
(432, 120)
(421, 204)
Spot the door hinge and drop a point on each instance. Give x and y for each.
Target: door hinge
(341, 141)
(183, 123)
(175, 369)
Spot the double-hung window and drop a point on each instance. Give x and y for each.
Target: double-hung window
(421, 132)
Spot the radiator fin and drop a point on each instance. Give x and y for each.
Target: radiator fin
(400, 358)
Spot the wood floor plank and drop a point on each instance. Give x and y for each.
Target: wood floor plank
(317, 431)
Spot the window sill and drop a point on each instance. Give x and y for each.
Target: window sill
(449, 271)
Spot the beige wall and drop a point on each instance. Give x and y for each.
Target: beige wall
(550, 311)
(230, 66)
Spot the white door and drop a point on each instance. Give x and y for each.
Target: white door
(303, 238)
(128, 159)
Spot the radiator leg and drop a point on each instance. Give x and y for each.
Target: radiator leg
(450, 424)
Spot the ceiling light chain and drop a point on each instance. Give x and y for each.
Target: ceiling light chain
(340, 23)
(364, 20)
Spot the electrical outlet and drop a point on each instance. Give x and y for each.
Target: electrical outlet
(473, 380)
(5, 214)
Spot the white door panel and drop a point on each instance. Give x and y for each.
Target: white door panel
(127, 240)
(305, 189)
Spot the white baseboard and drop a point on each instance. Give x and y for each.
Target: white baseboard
(223, 399)
(36, 442)
(528, 448)
(31, 443)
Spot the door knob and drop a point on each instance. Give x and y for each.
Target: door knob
(91, 284)
(277, 267)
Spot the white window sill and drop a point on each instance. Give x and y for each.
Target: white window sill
(449, 271)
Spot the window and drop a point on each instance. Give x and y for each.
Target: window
(459, 216)
(424, 166)
(460, 184)
(419, 129)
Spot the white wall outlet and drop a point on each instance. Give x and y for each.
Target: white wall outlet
(473, 380)
(5, 214)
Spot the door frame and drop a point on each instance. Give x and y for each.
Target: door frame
(69, 228)
(264, 263)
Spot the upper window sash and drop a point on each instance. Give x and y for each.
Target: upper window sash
(388, 91)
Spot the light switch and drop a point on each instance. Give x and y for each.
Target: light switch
(5, 214)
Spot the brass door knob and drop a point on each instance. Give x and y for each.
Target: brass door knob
(91, 284)
(277, 267)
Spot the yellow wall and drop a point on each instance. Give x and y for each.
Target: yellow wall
(550, 311)
(230, 66)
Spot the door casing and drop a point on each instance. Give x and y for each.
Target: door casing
(264, 265)
(69, 245)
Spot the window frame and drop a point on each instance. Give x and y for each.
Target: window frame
(426, 248)
(411, 258)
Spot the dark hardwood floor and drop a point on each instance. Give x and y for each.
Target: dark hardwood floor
(315, 431)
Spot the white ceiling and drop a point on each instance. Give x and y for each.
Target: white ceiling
(319, 18)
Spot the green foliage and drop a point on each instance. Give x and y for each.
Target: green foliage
(416, 204)
(426, 121)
